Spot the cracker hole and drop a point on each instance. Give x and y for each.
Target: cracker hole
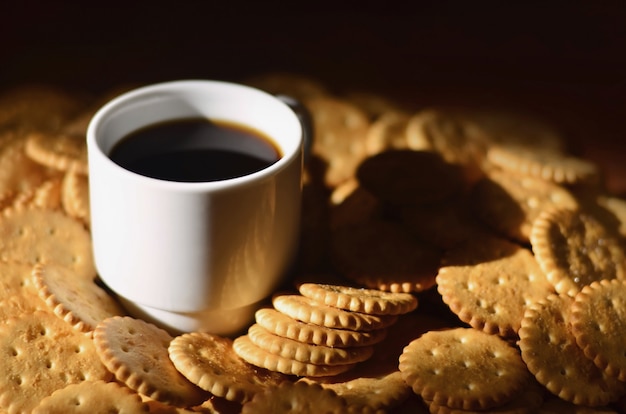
(48, 364)
(82, 377)
(146, 370)
(52, 231)
(563, 372)
(13, 352)
(124, 348)
(131, 331)
(19, 380)
(76, 402)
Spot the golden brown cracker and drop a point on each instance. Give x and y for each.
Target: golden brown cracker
(339, 137)
(550, 351)
(41, 355)
(136, 352)
(548, 165)
(489, 281)
(574, 249)
(598, 317)
(381, 254)
(509, 204)
(306, 310)
(283, 325)
(463, 368)
(78, 301)
(75, 196)
(210, 362)
(90, 397)
(59, 151)
(259, 357)
(35, 236)
(299, 397)
(303, 352)
(372, 301)
(406, 177)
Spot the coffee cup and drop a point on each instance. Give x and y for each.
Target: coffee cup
(195, 192)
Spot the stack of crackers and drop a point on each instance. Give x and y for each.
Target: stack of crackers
(452, 260)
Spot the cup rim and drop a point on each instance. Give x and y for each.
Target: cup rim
(94, 147)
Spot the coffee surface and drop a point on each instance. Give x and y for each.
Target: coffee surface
(195, 150)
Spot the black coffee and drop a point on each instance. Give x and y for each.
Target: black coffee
(195, 150)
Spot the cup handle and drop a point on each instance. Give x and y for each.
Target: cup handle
(305, 120)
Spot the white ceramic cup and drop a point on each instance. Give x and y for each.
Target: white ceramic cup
(195, 256)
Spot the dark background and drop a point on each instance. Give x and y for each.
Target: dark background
(563, 60)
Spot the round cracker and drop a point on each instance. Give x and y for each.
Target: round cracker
(598, 317)
(339, 137)
(136, 352)
(299, 397)
(303, 352)
(282, 325)
(259, 357)
(381, 254)
(210, 362)
(463, 368)
(402, 177)
(306, 310)
(547, 165)
(574, 249)
(372, 301)
(35, 236)
(59, 151)
(509, 204)
(90, 397)
(42, 354)
(75, 196)
(550, 351)
(78, 301)
(16, 279)
(489, 281)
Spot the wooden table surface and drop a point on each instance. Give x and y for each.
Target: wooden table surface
(566, 62)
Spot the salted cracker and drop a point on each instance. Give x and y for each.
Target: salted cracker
(550, 351)
(382, 254)
(59, 151)
(407, 177)
(549, 165)
(372, 301)
(90, 397)
(136, 352)
(303, 352)
(210, 362)
(575, 248)
(306, 310)
(509, 203)
(463, 368)
(598, 317)
(78, 301)
(296, 398)
(75, 196)
(43, 354)
(489, 281)
(283, 325)
(339, 137)
(32, 236)
(259, 357)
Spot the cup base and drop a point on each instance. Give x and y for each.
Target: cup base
(224, 322)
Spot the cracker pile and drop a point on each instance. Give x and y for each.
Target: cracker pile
(506, 238)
